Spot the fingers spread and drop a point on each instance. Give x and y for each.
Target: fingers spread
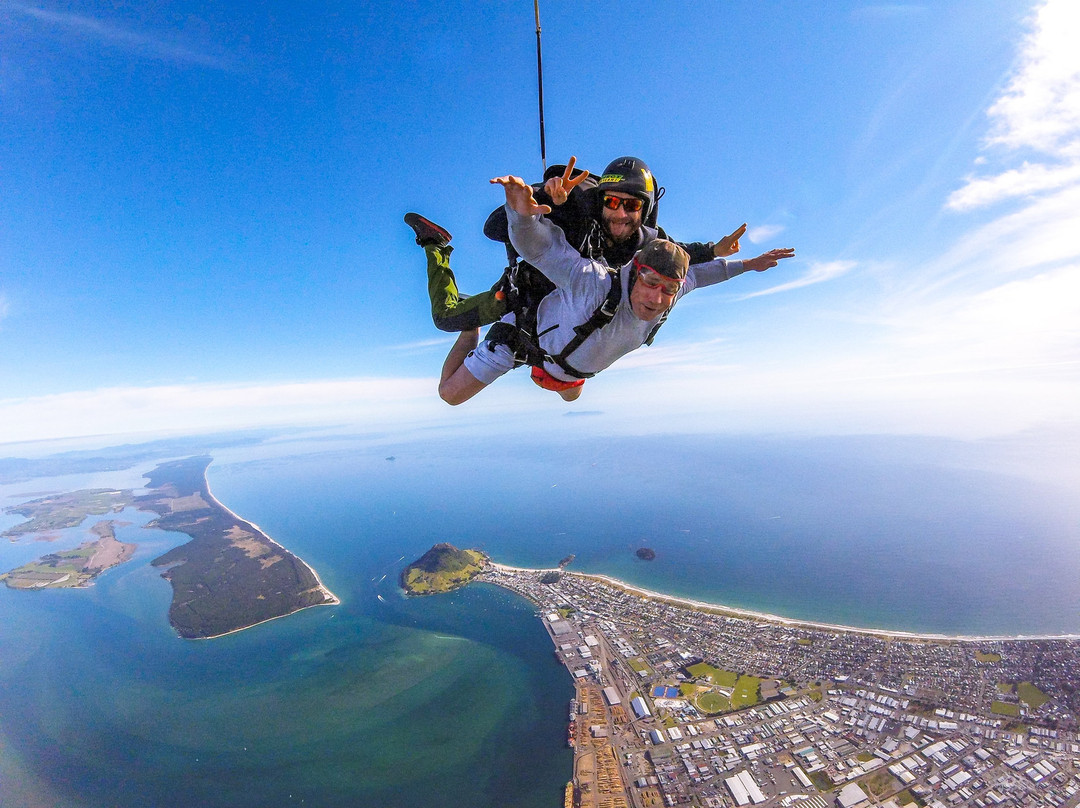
(570, 182)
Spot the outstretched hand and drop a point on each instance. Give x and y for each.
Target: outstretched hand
(519, 196)
(729, 245)
(559, 188)
(769, 259)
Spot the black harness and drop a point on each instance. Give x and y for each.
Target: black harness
(524, 287)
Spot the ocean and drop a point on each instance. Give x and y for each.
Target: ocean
(457, 700)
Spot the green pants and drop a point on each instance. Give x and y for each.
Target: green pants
(451, 310)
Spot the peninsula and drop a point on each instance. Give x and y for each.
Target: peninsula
(73, 568)
(443, 568)
(60, 511)
(229, 577)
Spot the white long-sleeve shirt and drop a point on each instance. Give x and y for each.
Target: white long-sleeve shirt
(581, 287)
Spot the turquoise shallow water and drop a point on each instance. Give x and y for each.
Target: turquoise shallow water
(457, 700)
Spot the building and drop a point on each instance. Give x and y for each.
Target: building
(851, 796)
(744, 789)
(641, 709)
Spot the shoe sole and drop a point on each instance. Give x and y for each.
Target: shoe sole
(418, 223)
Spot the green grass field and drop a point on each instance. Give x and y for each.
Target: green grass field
(1004, 708)
(1031, 695)
(713, 703)
(718, 677)
(747, 692)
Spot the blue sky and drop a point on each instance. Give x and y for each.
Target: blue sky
(200, 208)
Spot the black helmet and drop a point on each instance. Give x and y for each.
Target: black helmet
(629, 175)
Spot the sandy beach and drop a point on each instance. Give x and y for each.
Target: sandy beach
(333, 599)
(719, 608)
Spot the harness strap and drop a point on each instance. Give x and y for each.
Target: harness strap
(524, 341)
(603, 315)
(655, 328)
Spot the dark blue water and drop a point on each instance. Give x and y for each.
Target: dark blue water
(457, 700)
(804, 529)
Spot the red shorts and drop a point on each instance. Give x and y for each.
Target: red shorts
(549, 382)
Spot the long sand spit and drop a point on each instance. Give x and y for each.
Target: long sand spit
(332, 599)
(747, 614)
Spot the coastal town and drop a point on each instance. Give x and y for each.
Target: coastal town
(685, 703)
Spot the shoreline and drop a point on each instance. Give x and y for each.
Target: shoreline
(334, 600)
(787, 622)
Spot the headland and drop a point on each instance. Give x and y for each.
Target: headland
(229, 577)
(443, 568)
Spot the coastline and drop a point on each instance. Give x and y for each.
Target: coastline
(332, 599)
(788, 622)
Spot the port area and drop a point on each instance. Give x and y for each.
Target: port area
(679, 706)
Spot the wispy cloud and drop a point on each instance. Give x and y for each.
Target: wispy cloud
(194, 407)
(1042, 233)
(92, 28)
(423, 344)
(763, 233)
(708, 354)
(1026, 323)
(1039, 111)
(1027, 180)
(819, 272)
(981, 338)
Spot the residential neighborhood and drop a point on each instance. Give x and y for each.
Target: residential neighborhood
(701, 706)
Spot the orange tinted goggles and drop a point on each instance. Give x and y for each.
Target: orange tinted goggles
(632, 205)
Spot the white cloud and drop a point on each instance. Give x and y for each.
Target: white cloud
(1041, 234)
(423, 344)
(1028, 323)
(1041, 106)
(703, 355)
(197, 407)
(92, 28)
(1038, 111)
(1016, 182)
(819, 272)
(763, 233)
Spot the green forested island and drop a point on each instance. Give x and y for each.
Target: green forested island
(230, 575)
(441, 569)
